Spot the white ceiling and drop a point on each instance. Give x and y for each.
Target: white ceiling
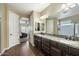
(26, 8)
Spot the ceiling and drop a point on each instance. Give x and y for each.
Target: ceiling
(25, 9)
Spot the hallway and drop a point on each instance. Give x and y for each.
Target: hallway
(23, 49)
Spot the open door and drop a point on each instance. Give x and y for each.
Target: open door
(13, 29)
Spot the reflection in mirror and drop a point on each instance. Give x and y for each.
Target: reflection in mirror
(37, 26)
(66, 28)
(42, 26)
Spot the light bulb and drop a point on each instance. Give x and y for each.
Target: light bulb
(72, 5)
(66, 9)
(63, 6)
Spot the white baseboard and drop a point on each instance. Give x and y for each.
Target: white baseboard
(4, 50)
(7, 49)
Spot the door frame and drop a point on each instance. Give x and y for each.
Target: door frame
(1, 47)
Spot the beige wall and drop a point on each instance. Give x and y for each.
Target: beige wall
(4, 27)
(4, 14)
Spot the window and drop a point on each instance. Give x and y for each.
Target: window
(66, 28)
(23, 29)
(22, 22)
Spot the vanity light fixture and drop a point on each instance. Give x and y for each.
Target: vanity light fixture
(73, 5)
(70, 5)
(44, 17)
(63, 6)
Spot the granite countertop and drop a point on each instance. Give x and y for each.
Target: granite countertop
(74, 44)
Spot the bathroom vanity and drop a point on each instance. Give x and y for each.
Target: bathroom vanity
(56, 46)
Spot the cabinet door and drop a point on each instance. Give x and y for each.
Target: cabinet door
(73, 51)
(45, 46)
(53, 43)
(63, 48)
(45, 49)
(55, 52)
(35, 41)
(39, 42)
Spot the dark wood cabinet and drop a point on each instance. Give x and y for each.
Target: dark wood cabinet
(53, 44)
(53, 48)
(45, 49)
(35, 41)
(73, 51)
(55, 52)
(45, 46)
(38, 42)
(64, 49)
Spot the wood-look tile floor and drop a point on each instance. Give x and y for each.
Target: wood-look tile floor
(23, 49)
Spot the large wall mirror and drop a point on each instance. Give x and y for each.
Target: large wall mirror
(37, 26)
(42, 26)
(69, 28)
